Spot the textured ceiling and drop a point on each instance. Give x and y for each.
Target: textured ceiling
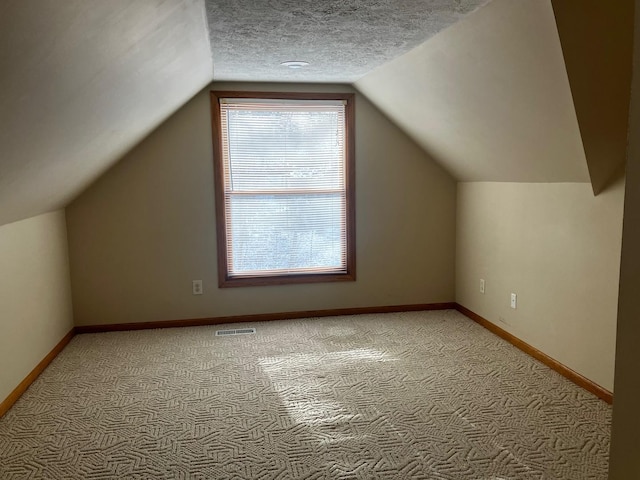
(81, 82)
(342, 39)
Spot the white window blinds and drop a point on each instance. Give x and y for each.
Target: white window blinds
(283, 165)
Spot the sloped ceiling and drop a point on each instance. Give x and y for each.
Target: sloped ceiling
(81, 82)
(489, 97)
(597, 44)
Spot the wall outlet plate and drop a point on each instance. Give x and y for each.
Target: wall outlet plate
(514, 300)
(482, 285)
(196, 287)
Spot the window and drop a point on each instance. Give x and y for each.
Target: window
(285, 187)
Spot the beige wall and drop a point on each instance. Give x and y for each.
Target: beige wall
(35, 294)
(144, 231)
(625, 435)
(558, 248)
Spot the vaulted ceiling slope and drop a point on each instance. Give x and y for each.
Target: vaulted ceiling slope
(82, 82)
(526, 91)
(488, 97)
(597, 43)
(494, 93)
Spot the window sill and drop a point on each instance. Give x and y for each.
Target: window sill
(231, 282)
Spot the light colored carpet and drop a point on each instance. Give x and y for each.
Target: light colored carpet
(426, 395)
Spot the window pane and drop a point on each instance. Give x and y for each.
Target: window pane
(285, 150)
(286, 233)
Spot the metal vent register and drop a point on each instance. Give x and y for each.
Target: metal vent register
(236, 331)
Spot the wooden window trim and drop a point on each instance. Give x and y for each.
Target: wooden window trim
(224, 280)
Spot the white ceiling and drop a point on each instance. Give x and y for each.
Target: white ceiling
(83, 81)
(488, 98)
(342, 39)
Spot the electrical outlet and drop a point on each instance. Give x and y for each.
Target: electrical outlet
(482, 285)
(514, 300)
(197, 287)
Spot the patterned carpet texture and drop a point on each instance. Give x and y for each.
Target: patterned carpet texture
(424, 395)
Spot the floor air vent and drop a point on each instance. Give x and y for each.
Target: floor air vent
(236, 331)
